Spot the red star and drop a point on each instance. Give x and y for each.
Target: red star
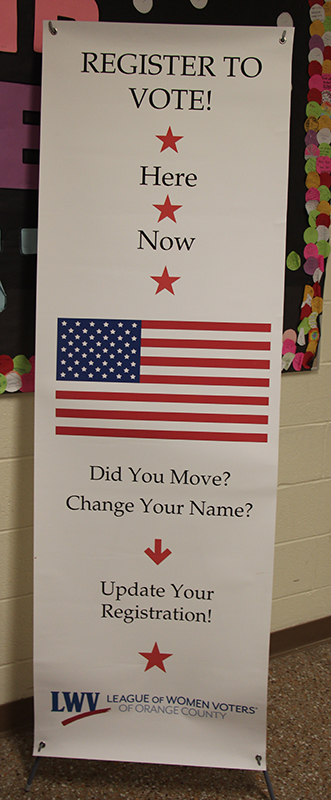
(166, 210)
(164, 281)
(169, 140)
(155, 658)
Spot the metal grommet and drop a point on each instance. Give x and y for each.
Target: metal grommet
(282, 39)
(51, 28)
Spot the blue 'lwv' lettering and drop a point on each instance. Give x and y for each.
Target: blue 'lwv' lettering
(73, 702)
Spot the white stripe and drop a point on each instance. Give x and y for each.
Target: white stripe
(161, 425)
(241, 336)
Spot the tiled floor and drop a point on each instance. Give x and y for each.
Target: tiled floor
(299, 752)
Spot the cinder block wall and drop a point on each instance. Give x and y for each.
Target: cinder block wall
(16, 556)
(302, 581)
(302, 575)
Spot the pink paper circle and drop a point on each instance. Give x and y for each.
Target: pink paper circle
(312, 194)
(290, 334)
(297, 361)
(316, 41)
(316, 82)
(312, 151)
(323, 164)
(28, 382)
(310, 250)
(310, 138)
(310, 265)
(288, 346)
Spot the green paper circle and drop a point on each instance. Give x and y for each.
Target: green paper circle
(305, 325)
(310, 165)
(313, 109)
(323, 248)
(325, 193)
(311, 219)
(21, 365)
(325, 112)
(310, 235)
(293, 261)
(325, 149)
(3, 383)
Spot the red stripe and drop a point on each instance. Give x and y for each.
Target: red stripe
(227, 363)
(255, 327)
(85, 714)
(205, 344)
(164, 416)
(163, 398)
(190, 379)
(140, 434)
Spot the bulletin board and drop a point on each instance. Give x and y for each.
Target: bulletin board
(309, 176)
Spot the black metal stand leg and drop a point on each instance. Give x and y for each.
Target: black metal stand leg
(268, 782)
(32, 774)
(28, 785)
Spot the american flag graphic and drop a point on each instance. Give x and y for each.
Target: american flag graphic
(206, 381)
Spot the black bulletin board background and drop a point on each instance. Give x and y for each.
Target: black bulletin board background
(19, 208)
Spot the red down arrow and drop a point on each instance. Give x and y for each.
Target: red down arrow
(157, 555)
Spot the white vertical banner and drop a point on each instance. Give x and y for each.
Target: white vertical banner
(164, 158)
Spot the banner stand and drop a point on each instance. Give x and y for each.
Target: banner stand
(42, 745)
(173, 349)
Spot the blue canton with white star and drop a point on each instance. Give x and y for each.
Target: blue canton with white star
(98, 350)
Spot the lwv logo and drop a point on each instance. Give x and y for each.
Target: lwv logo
(84, 704)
